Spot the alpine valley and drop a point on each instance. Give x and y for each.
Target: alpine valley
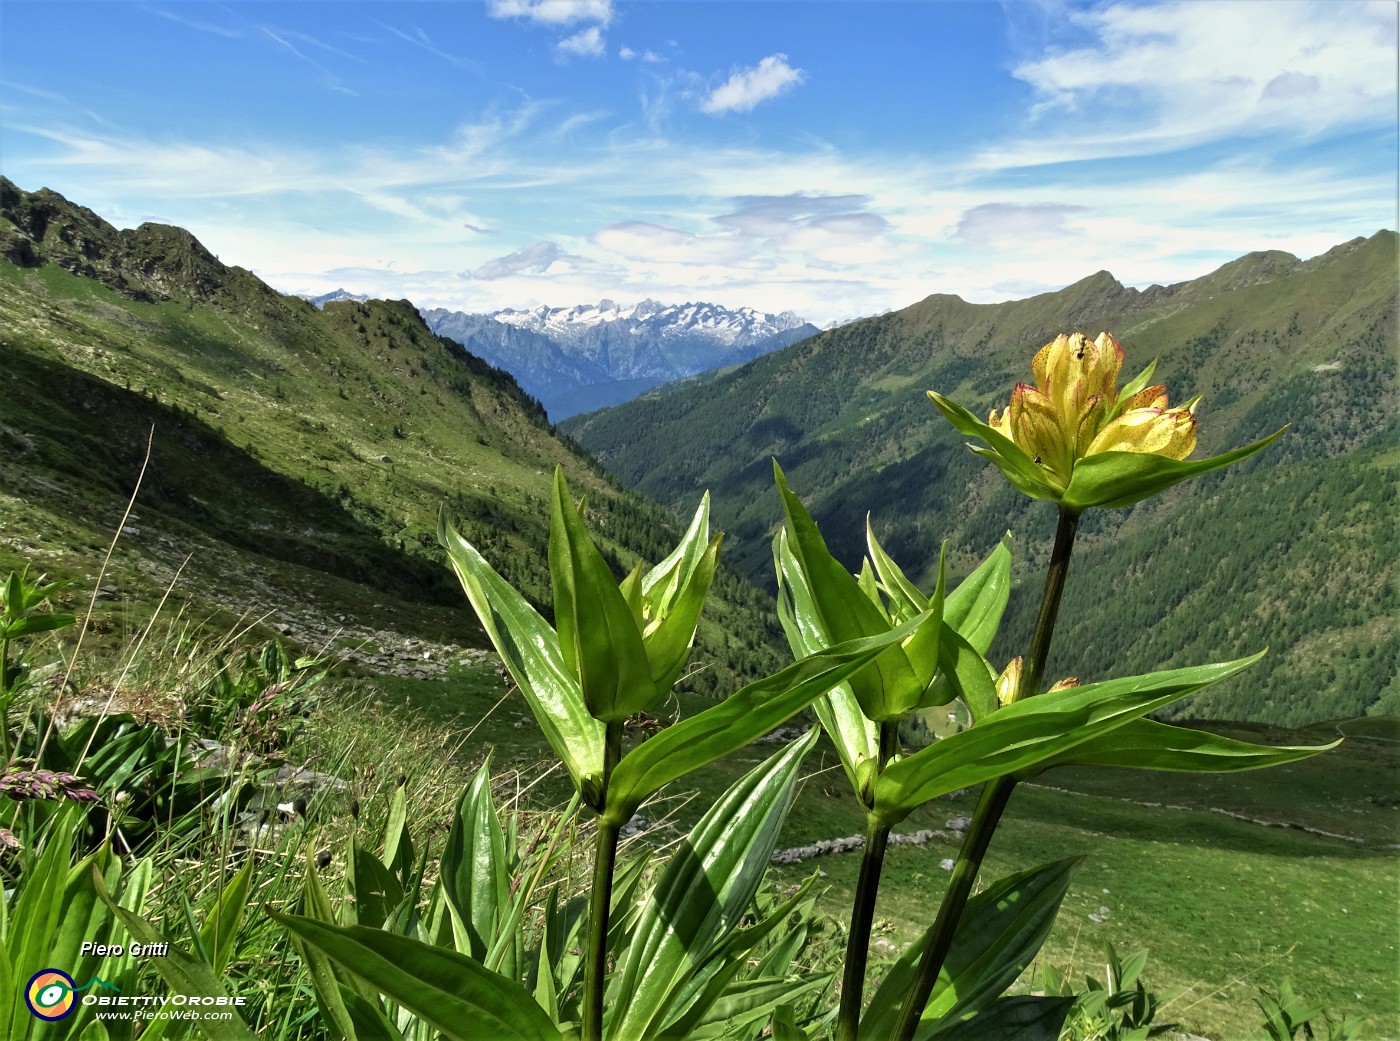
(577, 359)
(299, 458)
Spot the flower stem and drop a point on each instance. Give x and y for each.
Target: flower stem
(992, 804)
(877, 837)
(600, 900)
(1049, 605)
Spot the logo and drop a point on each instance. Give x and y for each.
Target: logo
(50, 993)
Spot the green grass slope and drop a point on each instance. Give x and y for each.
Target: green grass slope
(1294, 550)
(299, 458)
(1231, 882)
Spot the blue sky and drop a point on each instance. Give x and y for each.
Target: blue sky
(832, 158)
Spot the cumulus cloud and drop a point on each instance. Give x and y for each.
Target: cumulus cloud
(997, 225)
(587, 43)
(534, 259)
(552, 12)
(747, 87)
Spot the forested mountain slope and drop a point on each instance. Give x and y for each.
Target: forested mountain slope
(1294, 550)
(299, 458)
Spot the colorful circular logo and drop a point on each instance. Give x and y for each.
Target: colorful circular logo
(50, 994)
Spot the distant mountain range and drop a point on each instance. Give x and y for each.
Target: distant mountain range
(577, 359)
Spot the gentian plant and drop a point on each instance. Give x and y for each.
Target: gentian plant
(693, 952)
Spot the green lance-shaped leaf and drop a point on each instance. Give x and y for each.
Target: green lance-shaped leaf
(905, 597)
(475, 871)
(670, 629)
(751, 711)
(973, 612)
(975, 608)
(899, 681)
(1001, 930)
(703, 893)
(746, 1004)
(598, 633)
(1023, 735)
(1137, 383)
(221, 926)
(856, 738)
(965, 674)
(181, 971)
(530, 650)
(398, 844)
(1110, 479)
(450, 992)
(34, 917)
(784, 1025)
(1022, 1018)
(695, 1001)
(332, 997)
(662, 584)
(1019, 468)
(368, 1021)
(1147, 745)
(906, 601)
(374, 890)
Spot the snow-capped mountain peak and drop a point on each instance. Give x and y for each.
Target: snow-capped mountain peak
(334, 295)
(560, 352)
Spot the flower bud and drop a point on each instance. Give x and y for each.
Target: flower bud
(1009, 681)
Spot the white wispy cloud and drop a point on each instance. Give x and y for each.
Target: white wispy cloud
(586, 43)
(1165, 77)
(326, 78)
(745, 88)
(418, 38)
(192, 23)
(552, 12)
(824, 233)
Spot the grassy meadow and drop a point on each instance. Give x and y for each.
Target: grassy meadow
(1222, 904)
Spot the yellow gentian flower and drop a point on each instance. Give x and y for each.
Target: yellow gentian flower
(1074, 437)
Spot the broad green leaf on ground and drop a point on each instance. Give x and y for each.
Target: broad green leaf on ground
(1001, 930)
(182, 973)
(1023, 1018)
(221, 927)
(704, 892)
(475, 871)
(449, 991)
